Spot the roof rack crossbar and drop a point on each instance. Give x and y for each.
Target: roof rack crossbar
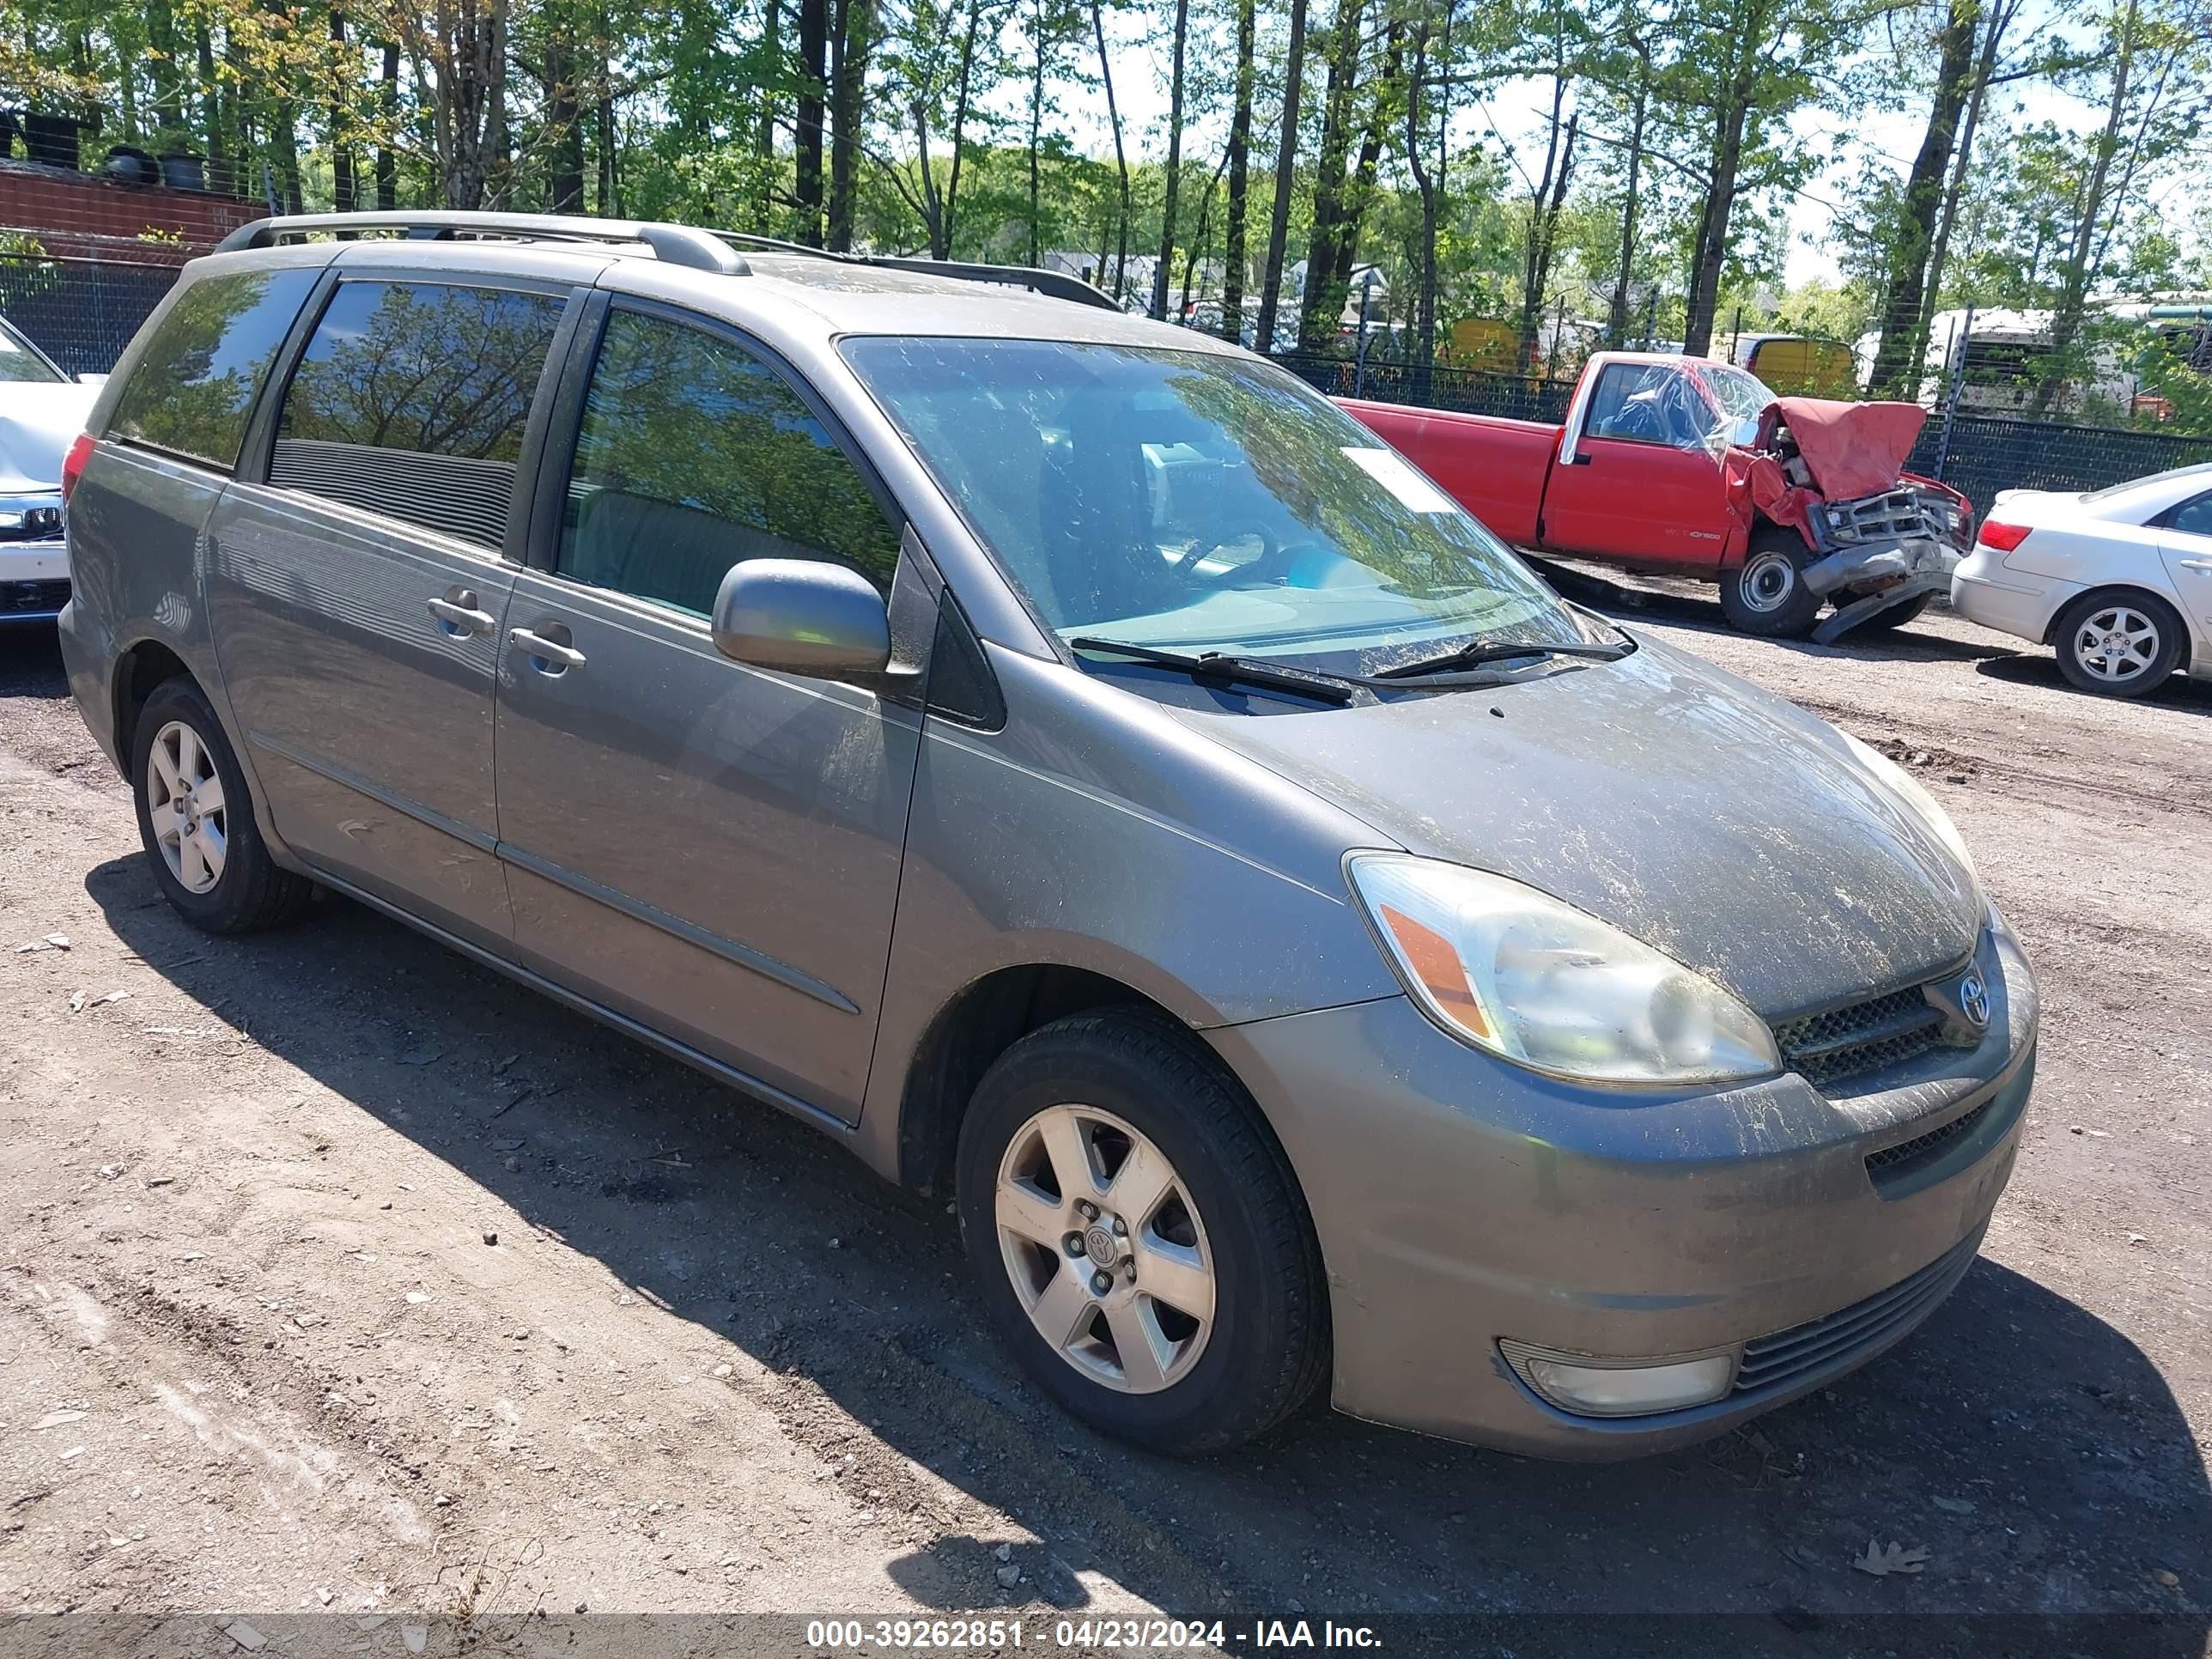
(674, 245)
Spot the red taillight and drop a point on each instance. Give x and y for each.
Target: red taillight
(73, 463)
(2004, 537)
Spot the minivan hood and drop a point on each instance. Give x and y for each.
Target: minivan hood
(1716, 822)
(37, 423)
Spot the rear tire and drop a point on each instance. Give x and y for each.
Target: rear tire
(1186, 1312)
(2118, 645)
(1767, 593)
(196, 819)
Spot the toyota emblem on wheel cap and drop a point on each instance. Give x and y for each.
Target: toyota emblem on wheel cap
(1974, 1000)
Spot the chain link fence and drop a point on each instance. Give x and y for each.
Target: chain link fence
(1979, 456)
(81, 313)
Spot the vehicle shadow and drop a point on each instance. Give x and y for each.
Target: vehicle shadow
(1676, 607)
(2031, 1446)
(2041, 668)
(31, 661)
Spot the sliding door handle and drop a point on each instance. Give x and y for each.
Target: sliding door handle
(458, 614)
(547, 656)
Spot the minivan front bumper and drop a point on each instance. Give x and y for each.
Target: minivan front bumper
(1467, 1210)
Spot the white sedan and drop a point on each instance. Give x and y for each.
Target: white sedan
(41, 411)
(2118, 580)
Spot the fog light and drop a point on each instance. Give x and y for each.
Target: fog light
(1621, 1387)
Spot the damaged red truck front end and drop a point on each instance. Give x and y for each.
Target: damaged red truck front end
(1881, 538)
(1685, 467)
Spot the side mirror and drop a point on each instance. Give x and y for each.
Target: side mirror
(89, 379)
(802, 616)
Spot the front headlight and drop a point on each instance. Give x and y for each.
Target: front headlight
(1910, 790)
(1513, 970)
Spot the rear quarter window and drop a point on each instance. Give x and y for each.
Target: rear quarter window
(196, 380)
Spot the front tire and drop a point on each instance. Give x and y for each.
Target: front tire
(2118, 645)
(1138, 1235)
(1767, 593)
(196, 819)
(1886, 622)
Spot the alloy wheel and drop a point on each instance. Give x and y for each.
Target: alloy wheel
(2116, 644)
(1105, 1249)
(183, 799)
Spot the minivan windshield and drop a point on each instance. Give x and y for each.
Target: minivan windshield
(1196, 502)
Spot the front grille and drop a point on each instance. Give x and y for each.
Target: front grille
(32, 598)
(1864, 1036)
(1894, 515)
(1773, 1363)
(1894, 1163)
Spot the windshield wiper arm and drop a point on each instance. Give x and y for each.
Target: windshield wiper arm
(1475, 653)
(1215, 666)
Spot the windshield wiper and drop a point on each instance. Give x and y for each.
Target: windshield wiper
(1475, 653)
(1216, 666)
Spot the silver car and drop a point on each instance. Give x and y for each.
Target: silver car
(1073, 764)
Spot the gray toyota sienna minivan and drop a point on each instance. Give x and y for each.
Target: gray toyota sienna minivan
(1072, 763)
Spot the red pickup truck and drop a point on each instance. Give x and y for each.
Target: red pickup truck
(1690, 468)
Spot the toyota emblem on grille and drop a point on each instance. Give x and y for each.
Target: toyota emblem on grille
(1974, 1000)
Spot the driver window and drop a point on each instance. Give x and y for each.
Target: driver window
(1646, 403)
(692, 454)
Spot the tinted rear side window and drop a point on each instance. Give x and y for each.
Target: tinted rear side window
(196, 381)
(411, 399)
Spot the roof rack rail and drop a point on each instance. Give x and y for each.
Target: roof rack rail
(674, 245)
(1053, 284)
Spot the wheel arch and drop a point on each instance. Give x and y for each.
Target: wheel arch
(2107, 591)
(138, 669)
(980, 1022)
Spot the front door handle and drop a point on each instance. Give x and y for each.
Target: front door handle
(550, 656)
(2197, 564)
(459, 613)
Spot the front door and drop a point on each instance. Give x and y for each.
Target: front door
(1642, 487)
(709, 849)
(2184, 540)
(356, 595)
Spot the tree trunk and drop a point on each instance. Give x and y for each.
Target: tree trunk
(1616, 317)
(387, 158)
(1931, 297)
(856, 41)
(1352, 212)
(1320, 307)
(564, 191)
(1240, 143)
(168, 73)
(1710, 246)
(2075, 272)
(960, 122)
(814, 67)
(218, 151)
(772, 50)
(1175, 161)
(1546, 203)
(1429, 183)
(1121, 155)
(1895, 373)
(1037, 133)
(341, 184)
(1287, 157)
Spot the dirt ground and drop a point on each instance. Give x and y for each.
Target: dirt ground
(336, 1271)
